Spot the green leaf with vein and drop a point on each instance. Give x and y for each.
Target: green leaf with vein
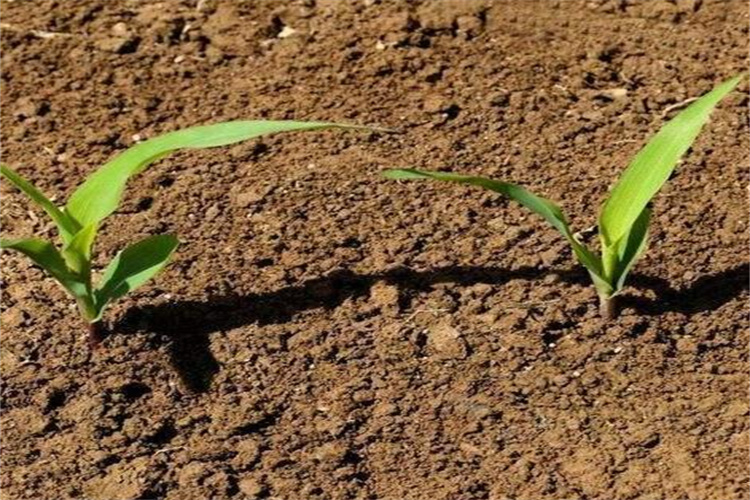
(624, 219)
(631, 248)
(77, 253)
(98, 196)
(541, 206)
(46, 256)
(653, 164)
(133, 267)
(65, 225)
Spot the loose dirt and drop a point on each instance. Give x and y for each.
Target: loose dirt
(326, 334)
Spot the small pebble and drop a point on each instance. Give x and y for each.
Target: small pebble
(286, 32)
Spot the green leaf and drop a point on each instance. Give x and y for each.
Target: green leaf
(45, 255)
(77, 253)
(541, 206)
(100, 194)
(65, 225)
(134, 266)
(631, 249)
(653, 165)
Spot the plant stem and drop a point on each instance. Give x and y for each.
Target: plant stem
(96, 334)
(608, 307)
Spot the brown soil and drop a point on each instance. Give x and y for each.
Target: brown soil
(326, 334)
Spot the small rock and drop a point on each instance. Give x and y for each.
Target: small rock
(244, 200)
(445, 14)
(219, 483)
(551, 257)
(384, 295)
(617, 93)
(251, 487)
(214, 55)
(472, 427)
(650, 441)
(686, 345)
(395, 27)
(436, 104)
(517, 100)
(552, 278)
(117, 44)
(333, 453)
(13, 317)
(470, 449)
(385, 409)
(500, 100)
(432, 73)
(334, 426)
(100, 456)
(248, 452)
(737, 409)
(133, 427)
(446, 342)
(480, 411)
(363, 396)
(121, 30)
(191, 473)
(592, 116)
(480, 290)
(469, 26)
(286, 32)
(212, 212)
(573, 424)
(659, 9)
(25, 107)
(207, 450)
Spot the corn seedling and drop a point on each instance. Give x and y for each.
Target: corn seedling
(624, 217)
(78, 222)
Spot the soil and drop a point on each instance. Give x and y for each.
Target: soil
(324, 333)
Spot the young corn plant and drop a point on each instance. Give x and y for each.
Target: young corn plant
(624, 217)
(78, 222)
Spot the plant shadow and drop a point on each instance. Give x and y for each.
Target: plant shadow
(705, 294)
(187, 324)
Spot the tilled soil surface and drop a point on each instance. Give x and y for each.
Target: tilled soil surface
(323, 333)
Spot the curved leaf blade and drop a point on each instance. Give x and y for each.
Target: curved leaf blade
(133, 267)
(631, 248)
(65, 225)
(100, 194)
(45, 255)
(77, 253)
(541, 206)
(653, 165)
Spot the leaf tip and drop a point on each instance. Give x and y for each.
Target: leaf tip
(401, 174)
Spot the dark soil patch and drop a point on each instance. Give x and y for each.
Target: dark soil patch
(325, 334)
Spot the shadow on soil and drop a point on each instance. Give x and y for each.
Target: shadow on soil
(188, 324)
(705, 294)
